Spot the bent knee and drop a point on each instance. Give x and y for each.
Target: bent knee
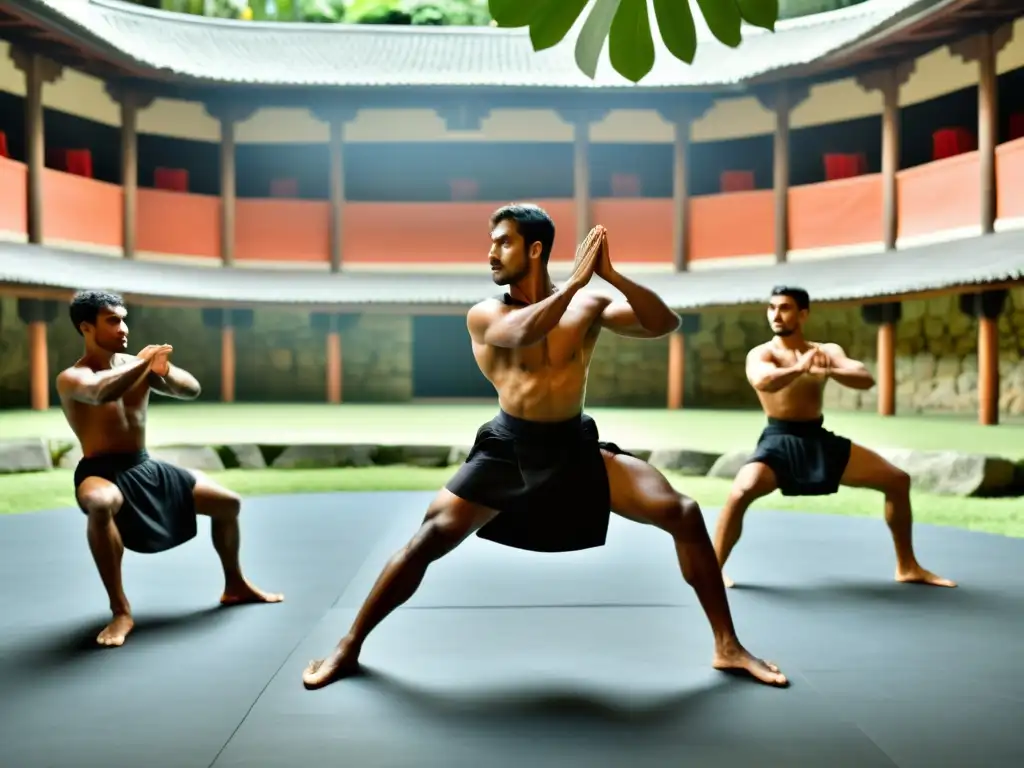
(100, 506)
(897, 482)
(678, 514)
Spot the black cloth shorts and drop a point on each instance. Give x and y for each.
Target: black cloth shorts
(159, 511)
(806, 458)
(546, 479)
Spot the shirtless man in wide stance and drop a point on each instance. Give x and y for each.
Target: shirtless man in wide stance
(131, 500)
(538, 477)
(795, 454)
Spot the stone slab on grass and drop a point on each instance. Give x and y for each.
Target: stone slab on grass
(245, 456)
(945, 473)
(685, 462)
(26, 455)
(201, 457)
(325, 456)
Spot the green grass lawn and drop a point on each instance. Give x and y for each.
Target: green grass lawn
(713, 431)
(49, 490)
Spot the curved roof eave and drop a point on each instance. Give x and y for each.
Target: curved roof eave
(218, 52)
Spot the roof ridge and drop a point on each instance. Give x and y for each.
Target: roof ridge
(866, 8)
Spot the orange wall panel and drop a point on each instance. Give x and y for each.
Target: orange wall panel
(836, 213)
(638, 230)
(1009, 180)
(178, 223)
(13, 196)
(283, 230)
(432, 233)
(941, 195)
(81, 210)
(734, 224)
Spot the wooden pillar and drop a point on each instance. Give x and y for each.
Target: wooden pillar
(337, 180)
(676, 370)
(227, 364)
(986, 306)
(227, 321)
(331, 325)
(336, 119)
(782, 99)
(682, 116)
(885, 317)
(36, 315)
(983, 48)
(38, 72)
(130, 101)
(581, 119)
(229, 114)
(689, 325)
(334, 366)
(889, 82)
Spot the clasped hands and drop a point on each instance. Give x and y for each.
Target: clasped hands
(592, 258)
(815, 362)
(158, 355)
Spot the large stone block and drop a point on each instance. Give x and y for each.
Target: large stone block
(684, 461)
(325, 456)
(950, 473)
(246, 456)
(729, 464)
(28, 455)
(413, 455)
(201, 457)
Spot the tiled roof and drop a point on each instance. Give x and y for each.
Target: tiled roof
(238, 52)
(977, 261)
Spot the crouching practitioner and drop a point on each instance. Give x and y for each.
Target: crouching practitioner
(130, 499)
(538, 477)
(795, 453)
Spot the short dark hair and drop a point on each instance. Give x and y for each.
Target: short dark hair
(533, 223)
(799, 295)
(86, 305)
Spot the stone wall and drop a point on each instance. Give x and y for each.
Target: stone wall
(281, 358)
(936, 362)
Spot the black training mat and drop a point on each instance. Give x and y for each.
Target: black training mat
(511, 658)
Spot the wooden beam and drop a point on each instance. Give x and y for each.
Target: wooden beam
(676, 370)
(886, 364)
(227, 364)
(38, 364)
(334, 367)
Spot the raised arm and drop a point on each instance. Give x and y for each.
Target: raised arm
(765, 375)
(848, 372)
(96, 388)
(490, 323)
(643, 315)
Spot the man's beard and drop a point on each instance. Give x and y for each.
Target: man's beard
(507, 278)
(783, 332)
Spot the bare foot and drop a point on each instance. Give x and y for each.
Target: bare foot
(340, 664)
(729, 583)
(244, 593)
(116, 631)
(918, 575)
(735, 658)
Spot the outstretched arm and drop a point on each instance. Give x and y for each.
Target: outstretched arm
(848, 372)
(177, 383)
(96, 388)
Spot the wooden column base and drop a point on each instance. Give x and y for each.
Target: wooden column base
(676, 370)
(988, 371)
(886, 356)
(39, 366)
(227, 364)
(334, 367)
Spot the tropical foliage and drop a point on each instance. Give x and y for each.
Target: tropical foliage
(624, 25)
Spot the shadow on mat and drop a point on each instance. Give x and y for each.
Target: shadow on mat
(854, 595)
(50, 650)
(549, 703)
